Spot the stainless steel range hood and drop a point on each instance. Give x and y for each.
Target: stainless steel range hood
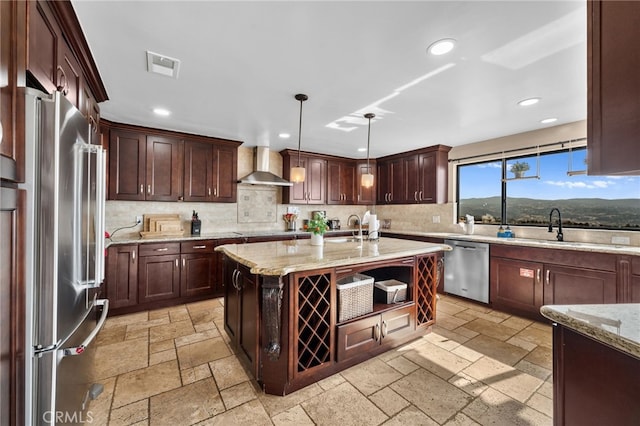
(261, 174)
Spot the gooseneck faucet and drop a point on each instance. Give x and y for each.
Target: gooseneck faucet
(358, 222)
(560, 237)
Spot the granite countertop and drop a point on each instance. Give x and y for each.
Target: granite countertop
(528, 242)
(616, 325)
(128, 239)
(284, 257)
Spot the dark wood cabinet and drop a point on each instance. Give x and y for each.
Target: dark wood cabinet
(163, 168)
(69, 76)
(241, 312)
(391, 181)
(593, 383)
(314, 188)
(121, 275)
(365, 334)
(198, 269)
(522, 279)
(159, 272)
(366, 196)
(516, 284)
(564, 285)
(210, 172)
(613, 94)
(157, 165)
(341, 176)
(43, 45)
(414, 177)
(127, 173)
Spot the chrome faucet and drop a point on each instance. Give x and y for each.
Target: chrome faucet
(560, 236)
(359, 223)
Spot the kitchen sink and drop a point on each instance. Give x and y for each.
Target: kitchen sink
(342, 240)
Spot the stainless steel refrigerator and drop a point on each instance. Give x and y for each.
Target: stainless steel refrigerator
(65, 183)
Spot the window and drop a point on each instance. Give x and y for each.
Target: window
(490, 191)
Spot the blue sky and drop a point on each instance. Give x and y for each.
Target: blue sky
(484, 180)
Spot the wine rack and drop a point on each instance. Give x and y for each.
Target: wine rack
(314, 321)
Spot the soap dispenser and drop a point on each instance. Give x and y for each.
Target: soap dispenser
(501, 232)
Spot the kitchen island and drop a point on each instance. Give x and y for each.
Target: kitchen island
(282, 304)
(596, 363)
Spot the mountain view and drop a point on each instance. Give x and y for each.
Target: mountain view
(577, 212)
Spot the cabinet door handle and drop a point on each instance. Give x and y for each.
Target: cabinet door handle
(162, 249)
(215, 192)
(133, 256)
(384, 329)
(63, 85)
(415, 195)
(548, 277)
(141, 188)
(184, 262)
(377, 332)
(149, 189)
(538, 275)
(420, 196)
(209, 192)
(199, 247)
(177, 263)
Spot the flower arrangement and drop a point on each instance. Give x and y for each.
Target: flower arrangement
(518, 168)
(318, 225)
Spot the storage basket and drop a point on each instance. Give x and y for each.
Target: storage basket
(355, 296)
(390, 291)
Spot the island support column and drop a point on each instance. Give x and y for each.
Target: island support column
(272, 315)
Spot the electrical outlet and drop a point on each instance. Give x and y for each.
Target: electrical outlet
(138, 219)
(435, 219)
(621, 240)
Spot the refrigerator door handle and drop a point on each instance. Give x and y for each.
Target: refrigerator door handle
(77, 350)
(100, 215)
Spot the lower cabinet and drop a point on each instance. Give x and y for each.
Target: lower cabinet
(523, 279)
(370, 332)
(143, 276)
(122, 276)
(241, 312)
(159, 272)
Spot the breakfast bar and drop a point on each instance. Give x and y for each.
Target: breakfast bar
(297, 313)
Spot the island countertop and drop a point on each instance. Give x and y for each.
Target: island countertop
(615, 325)
(279, 258)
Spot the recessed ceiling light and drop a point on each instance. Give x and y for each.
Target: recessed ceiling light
(362, 149)
(161, 111)
(162, 64)
(441, 47)
(530, 101)
(284, 135)
(548, 120)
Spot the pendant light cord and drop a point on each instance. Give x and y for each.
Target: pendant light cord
(369, 116)
(301, 97)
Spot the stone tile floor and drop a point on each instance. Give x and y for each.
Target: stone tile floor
(174, 367)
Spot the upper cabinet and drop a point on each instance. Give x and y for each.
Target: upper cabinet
(314, 188)
(613, 106)
(58, 57)
(210, 172)
(341, 183)
(155, 165)
(418, 176)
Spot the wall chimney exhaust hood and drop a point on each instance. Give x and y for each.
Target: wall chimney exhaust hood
(261, 174)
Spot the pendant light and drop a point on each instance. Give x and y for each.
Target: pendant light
(367, 178)
(297, 174)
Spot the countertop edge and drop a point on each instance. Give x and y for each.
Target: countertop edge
(621, 343)
(319, 264)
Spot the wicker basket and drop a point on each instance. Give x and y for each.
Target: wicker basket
(355, 296)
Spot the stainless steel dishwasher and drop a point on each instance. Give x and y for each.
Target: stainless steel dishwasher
(466, 271)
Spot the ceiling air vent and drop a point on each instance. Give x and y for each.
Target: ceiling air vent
(163, 65)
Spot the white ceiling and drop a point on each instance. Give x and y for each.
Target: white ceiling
(243, 62)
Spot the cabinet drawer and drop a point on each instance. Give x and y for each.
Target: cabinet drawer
(200, 246)
(155, 249)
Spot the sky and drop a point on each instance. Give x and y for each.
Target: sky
(553, 183)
